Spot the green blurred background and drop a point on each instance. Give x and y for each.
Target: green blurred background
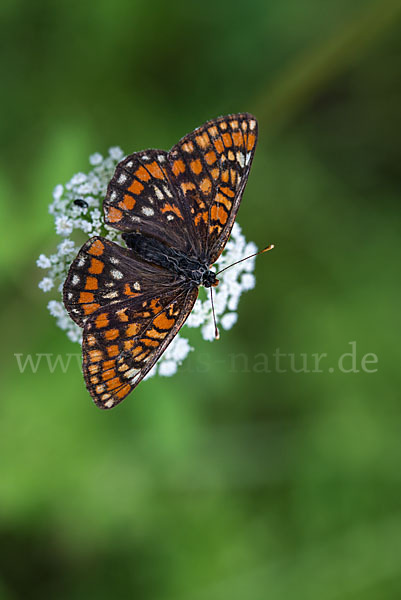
(220, 482)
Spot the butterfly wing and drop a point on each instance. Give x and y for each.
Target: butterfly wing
(210, 167)
(141, 197)
(123, 341)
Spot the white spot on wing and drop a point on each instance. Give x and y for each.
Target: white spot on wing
(116, 274)
(248, 157)
(170, 217)
(114, 260)
(75, 279)
(110, 295)
(137, 286)
(148, 211)
(158, 192)
(109, 403)
(131, 373)
(122, 178)
(167, 191)
(252, 124)
(81, 261)
(240, 158)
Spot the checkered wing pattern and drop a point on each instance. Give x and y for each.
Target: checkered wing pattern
(210, 167)
(104, 273)
(142, 198)
(122, 342)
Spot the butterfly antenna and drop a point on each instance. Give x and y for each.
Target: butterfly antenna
(216, 331)
(270, 247)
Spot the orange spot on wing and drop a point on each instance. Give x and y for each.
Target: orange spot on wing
(228, 192)
(129, 292)
(109, 374)
(238, 139)
(218, 214)
(95, 355)
(90, 308)
(111, 334)
(112, 350)
(215, 173)
(187, 186)
(171, 208)
(91, 283)
(132, 329)
(196, 166)
(155, 170)
(121, 315)
(123, 392)
(96, 267)
(218, 144)
(114, 214)
(128, 203)
(136, 187)
(223, 200)
(203, 140)
(251, 141)
(114, 383)
(97, 248)
(203, 215)
(162, 322)
(142, 174)
(178, 167)
(227, 140)
(188, 147)
(206, 185)
(102, 320)
(213, 131)
(148, 342)
(86, 297)
(210, 157)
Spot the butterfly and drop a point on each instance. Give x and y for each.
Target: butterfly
(176, 210)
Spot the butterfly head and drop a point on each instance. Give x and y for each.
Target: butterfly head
(209, 279)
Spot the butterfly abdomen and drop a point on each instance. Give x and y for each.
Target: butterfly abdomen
(189, 269)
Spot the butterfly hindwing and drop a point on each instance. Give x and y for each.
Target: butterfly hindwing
(104, 273)
(210, 167)
(141, 197)
(122, 342)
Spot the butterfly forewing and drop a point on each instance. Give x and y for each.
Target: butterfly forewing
(122, 342)
(211, 167)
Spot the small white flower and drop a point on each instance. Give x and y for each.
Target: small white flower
(247, 281)
(229, 320)
(55, 308)
(46, 284)
(63, 226)
(66, 247)
(58, 192)
(95, 159)
(167, 368)
(84, 225)
(116, 153)
(78, 179)
(43, 262)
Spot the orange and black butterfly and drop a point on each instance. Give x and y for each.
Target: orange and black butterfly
(176, 210)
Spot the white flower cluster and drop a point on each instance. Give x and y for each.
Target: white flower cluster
(76, 207)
